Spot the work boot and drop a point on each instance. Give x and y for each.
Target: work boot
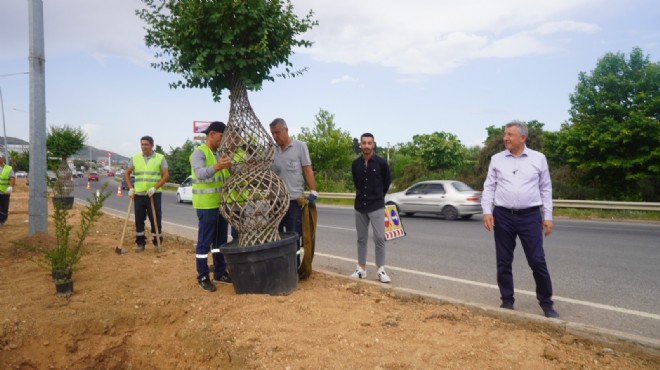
(139, 248)
(206, 284)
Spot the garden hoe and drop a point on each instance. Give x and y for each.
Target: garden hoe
(119, 249)
(153, 211)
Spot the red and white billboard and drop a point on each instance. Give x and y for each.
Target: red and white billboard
(199, 126)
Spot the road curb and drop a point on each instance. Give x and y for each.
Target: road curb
(592, 333)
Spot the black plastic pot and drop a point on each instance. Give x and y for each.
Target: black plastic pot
(63, 202)
(269, 268)
(64, 288)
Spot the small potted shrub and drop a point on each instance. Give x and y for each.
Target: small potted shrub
(62, 258)
(63, 142)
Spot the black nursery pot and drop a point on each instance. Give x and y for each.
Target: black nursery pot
(63, 202)
(269, 268)
(64, 288)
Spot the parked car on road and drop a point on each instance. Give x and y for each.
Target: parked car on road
(21, 174)
(93, 176)
(184, 192)
(50, 175)
(78, 174)
(124, 185)
(448, 198)
(111, 174)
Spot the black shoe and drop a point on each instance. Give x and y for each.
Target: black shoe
(550, 312)
(225, 279)
(507, 305)
(206, 284)
(155, 242)
(139, 248)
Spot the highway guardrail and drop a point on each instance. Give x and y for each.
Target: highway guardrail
(557, 203)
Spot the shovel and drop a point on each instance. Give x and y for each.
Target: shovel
(119, 249)
(153, 211)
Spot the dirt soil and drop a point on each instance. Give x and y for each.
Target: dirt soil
(145, 311)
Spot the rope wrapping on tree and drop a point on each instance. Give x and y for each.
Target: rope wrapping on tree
(254, 199)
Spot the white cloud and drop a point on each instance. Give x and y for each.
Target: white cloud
(342, 79)
(435, 37)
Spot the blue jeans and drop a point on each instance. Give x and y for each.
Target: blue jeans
(211, 234)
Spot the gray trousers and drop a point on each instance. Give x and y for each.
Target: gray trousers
(377, 219)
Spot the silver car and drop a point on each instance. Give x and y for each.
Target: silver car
(447, 198)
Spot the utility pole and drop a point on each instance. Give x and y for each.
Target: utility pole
(2, 105)
(37, 205)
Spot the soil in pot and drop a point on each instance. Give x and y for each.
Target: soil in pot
(62, 275)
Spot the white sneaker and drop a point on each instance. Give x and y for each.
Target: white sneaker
(382, 275)
(359, 273)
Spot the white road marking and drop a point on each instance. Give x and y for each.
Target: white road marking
(492, 286)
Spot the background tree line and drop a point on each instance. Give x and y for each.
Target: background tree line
(609, 149)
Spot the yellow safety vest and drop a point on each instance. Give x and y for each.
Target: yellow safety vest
(146, 174)
(206, 193)
(4, 177)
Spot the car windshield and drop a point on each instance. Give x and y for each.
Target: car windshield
(459, 186)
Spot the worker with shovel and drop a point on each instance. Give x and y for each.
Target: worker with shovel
(150, 172)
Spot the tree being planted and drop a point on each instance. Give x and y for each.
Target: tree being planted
(234, 45)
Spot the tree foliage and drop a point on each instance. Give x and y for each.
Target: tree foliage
(65, 141)
(439, 150)
(178, 161)
(614, 134)
(214, 43)
(330, 148)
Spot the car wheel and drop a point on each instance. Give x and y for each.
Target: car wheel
(178, 198)
(450, 213)
(466, 217)
(409, 214)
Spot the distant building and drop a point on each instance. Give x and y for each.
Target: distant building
(15, 145)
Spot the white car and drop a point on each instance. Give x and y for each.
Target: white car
(448, 198)
(21, 174)
(184, 192)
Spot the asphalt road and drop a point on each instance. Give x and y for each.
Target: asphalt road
(605, 274)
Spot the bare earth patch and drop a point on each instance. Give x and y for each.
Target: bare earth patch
(145, 311)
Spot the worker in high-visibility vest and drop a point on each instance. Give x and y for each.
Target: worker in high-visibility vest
(210, 170)
(150, 171)
(7, 183)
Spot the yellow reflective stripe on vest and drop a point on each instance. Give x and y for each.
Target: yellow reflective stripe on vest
(146, 174)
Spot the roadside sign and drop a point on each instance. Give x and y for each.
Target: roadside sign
(393, 225)
(200, 126)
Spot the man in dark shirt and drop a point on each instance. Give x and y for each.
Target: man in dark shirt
(371, 177)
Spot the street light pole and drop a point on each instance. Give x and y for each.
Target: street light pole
(4, 129)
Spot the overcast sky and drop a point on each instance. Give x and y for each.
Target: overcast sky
(393, 68)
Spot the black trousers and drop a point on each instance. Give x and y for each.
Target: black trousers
(4, 207)
(142, 205)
